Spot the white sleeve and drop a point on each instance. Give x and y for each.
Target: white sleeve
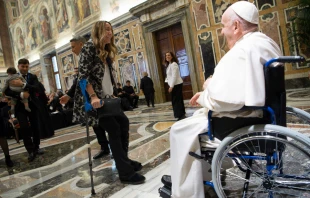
(175, 72)
(215, 105)
(22, 95)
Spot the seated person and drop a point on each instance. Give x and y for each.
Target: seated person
(118, 92)
(238, 81)
(54, 102)
(13, 75)
(130, 94)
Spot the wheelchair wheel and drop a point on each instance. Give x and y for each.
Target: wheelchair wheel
(298, 120)
(270, 161)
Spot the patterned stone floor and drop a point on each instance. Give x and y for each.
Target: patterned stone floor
(63, 170)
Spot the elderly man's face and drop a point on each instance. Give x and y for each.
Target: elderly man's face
(76, 47)
(228, 29)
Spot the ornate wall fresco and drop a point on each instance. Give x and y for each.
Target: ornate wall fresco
(131, 60)
(128, 72)
(37, 70)
(122, 41)
(115, 8)
(41, 23)
(66, 63)
(37, 25)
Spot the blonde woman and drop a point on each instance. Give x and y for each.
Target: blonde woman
(95, 65)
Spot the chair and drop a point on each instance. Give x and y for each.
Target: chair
(270, 159)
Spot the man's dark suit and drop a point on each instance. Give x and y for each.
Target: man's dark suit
(101, 136)
(148, 89)
(132, 99)
(35, 117)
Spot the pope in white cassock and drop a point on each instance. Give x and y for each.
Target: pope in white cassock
(238, 81)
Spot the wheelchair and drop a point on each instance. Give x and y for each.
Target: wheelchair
(270, 159)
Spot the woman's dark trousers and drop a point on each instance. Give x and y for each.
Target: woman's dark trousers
(177, 101)
(118, 128)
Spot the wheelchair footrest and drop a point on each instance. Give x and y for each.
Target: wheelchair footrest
(164, 192)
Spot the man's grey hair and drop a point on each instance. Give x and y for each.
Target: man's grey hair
(245, 24)
(78, 39)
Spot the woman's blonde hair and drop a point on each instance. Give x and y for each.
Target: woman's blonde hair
(97, 34)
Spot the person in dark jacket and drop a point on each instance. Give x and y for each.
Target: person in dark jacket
(147, 88)
(3, 133)
(131, 95)
(37, 116)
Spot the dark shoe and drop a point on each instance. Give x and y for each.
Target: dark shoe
(8, 161)
(137, 166)
(83, 124)
(135, 107)
(31, 157)
(101, 153)
(135, 179)
(130, 108)
(153, 106)
(166, 180)
(181, 118)
(39, 152)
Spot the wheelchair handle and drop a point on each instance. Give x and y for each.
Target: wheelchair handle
(285, 59)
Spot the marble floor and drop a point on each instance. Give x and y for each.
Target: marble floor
(63, 171)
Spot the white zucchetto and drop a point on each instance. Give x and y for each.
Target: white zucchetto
(246, 11)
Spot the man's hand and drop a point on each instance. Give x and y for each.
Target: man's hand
(132, 94)
(194, 99)
(95, 102)
(64, 99)
(170, 89)
(25, 94)
(17, 83)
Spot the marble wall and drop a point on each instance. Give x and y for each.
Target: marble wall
(67, 61)
(275, 21)
(39, 27)
(130, 61)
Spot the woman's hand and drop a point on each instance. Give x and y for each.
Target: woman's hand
(194, 99)
(96, 102)
(170, 89)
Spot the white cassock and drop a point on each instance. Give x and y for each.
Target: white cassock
(238, 81)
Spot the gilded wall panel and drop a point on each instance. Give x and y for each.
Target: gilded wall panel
(122, 41)
(270, 25)
(300, 49)
(136, 34)
(127, 71)
(200, 14)
(265, 4)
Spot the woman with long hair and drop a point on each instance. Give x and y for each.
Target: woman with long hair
(175, 83)
(95, 65)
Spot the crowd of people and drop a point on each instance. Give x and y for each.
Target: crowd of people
(225, 93)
